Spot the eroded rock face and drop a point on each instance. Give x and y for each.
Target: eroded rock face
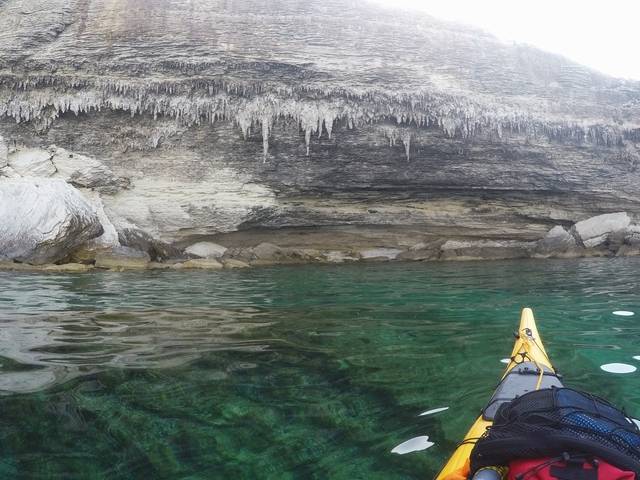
(41, 220)
(282, 113)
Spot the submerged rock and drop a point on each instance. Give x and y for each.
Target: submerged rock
(42, 220)
(594, 231)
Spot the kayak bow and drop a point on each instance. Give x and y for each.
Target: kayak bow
(529, 369)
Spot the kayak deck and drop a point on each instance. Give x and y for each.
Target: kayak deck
(529, 369)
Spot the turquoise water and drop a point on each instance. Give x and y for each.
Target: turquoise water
(282, 373)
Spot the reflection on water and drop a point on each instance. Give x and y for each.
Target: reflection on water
(300, 372)
(59, 347)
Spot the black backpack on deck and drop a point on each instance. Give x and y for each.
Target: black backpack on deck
(549, 422)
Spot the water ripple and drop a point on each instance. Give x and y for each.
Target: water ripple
(312, 371)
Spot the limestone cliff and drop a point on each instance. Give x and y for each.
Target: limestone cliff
(231, 115)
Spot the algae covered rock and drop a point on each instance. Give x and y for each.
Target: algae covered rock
(122, 258)
(203, 264)
(232, 264)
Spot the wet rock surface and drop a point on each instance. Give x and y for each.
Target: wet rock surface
(203, 264)
(122, 258)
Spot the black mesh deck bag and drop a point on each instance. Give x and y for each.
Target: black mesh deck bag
(552, 421)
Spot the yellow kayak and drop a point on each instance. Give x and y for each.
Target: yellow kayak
(529, 369)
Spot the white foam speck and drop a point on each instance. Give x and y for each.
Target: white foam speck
(637, 357)
(623, 313)
(413, 445)
(618, 368)
(435, 410)
(506, 360)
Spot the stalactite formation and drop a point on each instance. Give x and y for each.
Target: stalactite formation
(44, 99)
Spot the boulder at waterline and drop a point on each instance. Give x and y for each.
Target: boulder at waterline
(632, 235)
(595, 230)
(231, 264)
(142, 241)
(41, 220)
(206, 250)
(557, 240)
(267, 251)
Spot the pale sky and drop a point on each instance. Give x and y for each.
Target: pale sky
(603, 35)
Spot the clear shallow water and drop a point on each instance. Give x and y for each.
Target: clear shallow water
(301, 372)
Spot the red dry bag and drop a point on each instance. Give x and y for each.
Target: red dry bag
(566, 468)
